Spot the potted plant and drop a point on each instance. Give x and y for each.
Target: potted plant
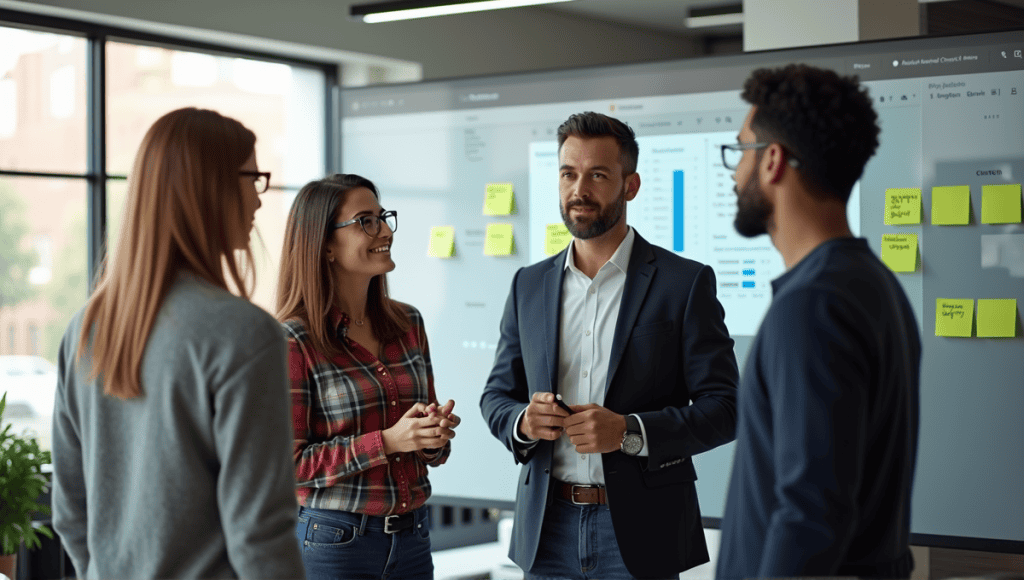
(21, 483)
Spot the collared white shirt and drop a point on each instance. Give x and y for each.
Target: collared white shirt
(590, 310)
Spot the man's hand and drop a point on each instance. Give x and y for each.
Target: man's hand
(543, 418)
(594, 429)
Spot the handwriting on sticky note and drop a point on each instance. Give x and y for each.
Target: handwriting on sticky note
(951, 205)
(499, 241)
(997, 318)
(499, 199)
(954, 316)
(442, 242)
(902, 206)
(899, 252)
(556, 238)
(1000, 204)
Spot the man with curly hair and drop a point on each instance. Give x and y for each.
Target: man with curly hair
(828, 402)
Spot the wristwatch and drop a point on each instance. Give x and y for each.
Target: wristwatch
(633, 438)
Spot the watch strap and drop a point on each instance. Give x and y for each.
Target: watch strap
(633, 425)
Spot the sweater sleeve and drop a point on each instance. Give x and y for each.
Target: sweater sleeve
(68, 495)
(819, 401)
(256, 486)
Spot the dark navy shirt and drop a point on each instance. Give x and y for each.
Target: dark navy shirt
(828, 424)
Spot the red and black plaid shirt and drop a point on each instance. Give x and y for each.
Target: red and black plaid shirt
(340, 406)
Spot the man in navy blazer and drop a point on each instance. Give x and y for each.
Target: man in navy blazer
(633, 338)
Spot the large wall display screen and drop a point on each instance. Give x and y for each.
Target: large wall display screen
(952, 144)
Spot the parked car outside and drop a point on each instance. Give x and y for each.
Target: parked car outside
(30, 383)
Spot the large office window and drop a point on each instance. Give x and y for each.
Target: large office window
(62, 171)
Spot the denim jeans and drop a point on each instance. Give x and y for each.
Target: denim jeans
(339, 545)
(577, 542)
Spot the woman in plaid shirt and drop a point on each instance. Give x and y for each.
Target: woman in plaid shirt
(367, 421)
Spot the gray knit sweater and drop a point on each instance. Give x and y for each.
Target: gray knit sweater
(195, 478)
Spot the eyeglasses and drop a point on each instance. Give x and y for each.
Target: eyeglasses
(732, 153)
(260, 179)
(371, 223)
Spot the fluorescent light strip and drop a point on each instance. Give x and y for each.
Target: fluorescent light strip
(451, 9)
(716, 20)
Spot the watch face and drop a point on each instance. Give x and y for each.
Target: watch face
(632, 443)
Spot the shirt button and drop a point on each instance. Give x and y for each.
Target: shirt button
(584, 374)
(403, 504)
(592, 290)
(393, 403)
(587, 333)
(397, 459)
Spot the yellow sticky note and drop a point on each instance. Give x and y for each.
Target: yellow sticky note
(499, 199)
(498, 240)
(442, 242)
(902, 206)
(556, 238)
(1000, 204)
(951, 205)
(953, 316)
(997, 318)
(899, 252)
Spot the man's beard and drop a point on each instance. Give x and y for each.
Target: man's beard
(753, 210)
(604, 221)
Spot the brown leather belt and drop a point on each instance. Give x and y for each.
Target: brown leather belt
(580, 494)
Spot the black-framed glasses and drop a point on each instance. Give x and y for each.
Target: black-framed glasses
(732, 153)
(260, 179)
(371, 223)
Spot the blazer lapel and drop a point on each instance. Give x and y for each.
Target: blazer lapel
(638, 281)
(552, 316)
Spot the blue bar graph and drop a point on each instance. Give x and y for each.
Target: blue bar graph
(678, 211)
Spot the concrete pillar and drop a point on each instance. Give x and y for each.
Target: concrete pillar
(770, 24)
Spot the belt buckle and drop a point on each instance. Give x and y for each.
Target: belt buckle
(388, 521)
(572, 495)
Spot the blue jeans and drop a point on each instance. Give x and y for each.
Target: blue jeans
(577, 542)
(343, 545)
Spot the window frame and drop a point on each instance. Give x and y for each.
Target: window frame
(96, 176)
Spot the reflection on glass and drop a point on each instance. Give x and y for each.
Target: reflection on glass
(43, 254)
(42, 101)
(282, 104)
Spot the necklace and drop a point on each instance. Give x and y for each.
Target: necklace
(360, 321)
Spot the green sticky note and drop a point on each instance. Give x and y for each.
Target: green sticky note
(953, 316)
(499, 199)
(899, 252)
(951, 205)
(498, 240)
(1000, 204)
(902, 206)
(997, 318)
(556, 238)
(442, 242)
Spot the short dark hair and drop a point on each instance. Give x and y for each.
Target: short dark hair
(590, 125)
(825, 120)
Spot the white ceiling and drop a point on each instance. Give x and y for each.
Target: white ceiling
(667, 15)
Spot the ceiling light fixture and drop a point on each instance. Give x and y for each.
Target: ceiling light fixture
(715, 16)
(409, 9)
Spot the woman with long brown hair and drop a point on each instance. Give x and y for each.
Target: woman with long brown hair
(367, 422)
(171, 430)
